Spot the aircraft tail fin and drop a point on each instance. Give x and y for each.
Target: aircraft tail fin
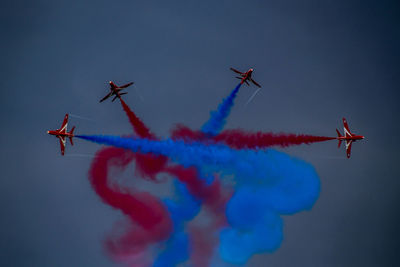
(70, 138)
(339, 135)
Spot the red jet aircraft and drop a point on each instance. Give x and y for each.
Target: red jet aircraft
(114, 90)
(62, 134)
(348, 137)
(245, 76)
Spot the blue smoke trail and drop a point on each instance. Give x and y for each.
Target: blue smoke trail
(184, 207)
(268, 184)
(218, 117)
(176, 251)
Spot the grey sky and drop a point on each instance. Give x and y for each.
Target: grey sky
(317, 61)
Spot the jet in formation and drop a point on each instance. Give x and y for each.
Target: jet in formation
(115, 90)
(348, 137)
(245, 77)
(62, 134)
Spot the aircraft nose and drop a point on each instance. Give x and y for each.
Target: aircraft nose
(48, 131)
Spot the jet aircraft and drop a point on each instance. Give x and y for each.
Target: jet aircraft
(245, 77)
(348, 137)
(62, 134)
(115, 90)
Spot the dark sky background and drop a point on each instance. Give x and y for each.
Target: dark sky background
(317, 61)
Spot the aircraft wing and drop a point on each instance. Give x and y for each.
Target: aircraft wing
(62, 144)
(235, 70)
(63, 127)
(107, 96)
(253, 81)
(348, 147)
(346, 129)
(126, 85)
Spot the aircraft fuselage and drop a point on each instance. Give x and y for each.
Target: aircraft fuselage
(353, 138)
(247, 76)
(57, 133)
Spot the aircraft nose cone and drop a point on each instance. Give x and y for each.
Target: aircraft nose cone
(48, 131)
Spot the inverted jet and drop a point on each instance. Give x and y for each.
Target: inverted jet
(115, 90)
(245, 77)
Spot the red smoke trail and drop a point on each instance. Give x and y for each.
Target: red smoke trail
(150, 218)
(148, 165)
(240, 139)
(187, 134)
(203, 239)
(138, 126)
